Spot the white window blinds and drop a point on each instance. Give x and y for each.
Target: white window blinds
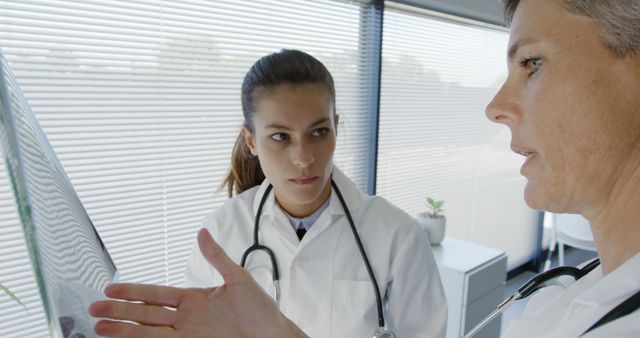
(434, 139)
(140, 100)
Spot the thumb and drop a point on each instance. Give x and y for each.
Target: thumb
(215, 255)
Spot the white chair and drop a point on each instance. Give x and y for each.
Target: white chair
(572, 230)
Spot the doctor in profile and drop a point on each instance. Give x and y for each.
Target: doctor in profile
(572, 103)
(337, 262)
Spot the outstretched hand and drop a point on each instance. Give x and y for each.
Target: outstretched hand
(237, 309)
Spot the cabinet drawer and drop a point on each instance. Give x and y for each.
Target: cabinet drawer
(485, 279)
(479, 309)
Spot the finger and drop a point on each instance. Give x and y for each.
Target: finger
(215, 255)
(106, 328)
(135, 312)
(149, 294)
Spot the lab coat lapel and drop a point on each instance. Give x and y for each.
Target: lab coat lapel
(272, 217)
(323, 222)
(280, 223)
(335, 212)
(626, 278)
(269, 203)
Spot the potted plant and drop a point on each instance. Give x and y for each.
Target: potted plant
(433, 221)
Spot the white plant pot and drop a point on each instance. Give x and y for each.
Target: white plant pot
(435, 227)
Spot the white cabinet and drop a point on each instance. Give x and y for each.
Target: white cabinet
(473, 277)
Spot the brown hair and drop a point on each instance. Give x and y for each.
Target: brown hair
(285, 67)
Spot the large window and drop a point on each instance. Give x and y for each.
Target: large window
(434, 139)
(140, 100)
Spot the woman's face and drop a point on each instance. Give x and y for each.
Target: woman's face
(572, 106)
(294, 138)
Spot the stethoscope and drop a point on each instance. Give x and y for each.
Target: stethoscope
(380, 332)
(546, 278)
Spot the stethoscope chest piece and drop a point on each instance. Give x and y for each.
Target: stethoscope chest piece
(382, 333)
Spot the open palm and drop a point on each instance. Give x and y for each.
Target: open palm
(237, 309)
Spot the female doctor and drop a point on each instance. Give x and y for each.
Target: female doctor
(282, 169)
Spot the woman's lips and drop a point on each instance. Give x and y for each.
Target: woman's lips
(304, 179)
(530, 157)
(529, 154)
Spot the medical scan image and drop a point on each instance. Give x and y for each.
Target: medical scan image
(70, 262)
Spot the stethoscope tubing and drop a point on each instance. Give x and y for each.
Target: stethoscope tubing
(256, 246)
(540, 280)
(534, 283)
(362, 254)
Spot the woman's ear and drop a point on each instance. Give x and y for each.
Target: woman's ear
(249, 140)
(336, 121)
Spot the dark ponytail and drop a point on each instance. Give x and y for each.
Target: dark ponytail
(245, 170)
(285, 67)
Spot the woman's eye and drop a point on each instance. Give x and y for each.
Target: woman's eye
(279, 137)
(531, 64)
(320, 132)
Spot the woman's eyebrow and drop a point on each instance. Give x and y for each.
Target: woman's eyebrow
(517, 45)
(319, 122)
(276, 126)
(283, 127)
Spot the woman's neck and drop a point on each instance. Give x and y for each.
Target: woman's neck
(616, 222)
(304, 210)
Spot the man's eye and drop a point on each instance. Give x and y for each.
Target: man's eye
(531, 64)
(279, 137)
(320, 132)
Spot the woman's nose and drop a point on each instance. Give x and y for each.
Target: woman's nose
(302, 155)
(503, 108)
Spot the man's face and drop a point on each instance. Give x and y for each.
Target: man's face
(572, 105)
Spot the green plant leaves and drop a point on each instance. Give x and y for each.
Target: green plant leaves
(435, 206)
(11, 295)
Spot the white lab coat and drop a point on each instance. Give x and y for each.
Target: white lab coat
(325, 288)
(558, 312)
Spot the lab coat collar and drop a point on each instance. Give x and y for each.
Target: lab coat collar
(269, 204)
(352, 196)
(626, 278)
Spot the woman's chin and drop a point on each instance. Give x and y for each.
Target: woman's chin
(534, 198)
(539, 198)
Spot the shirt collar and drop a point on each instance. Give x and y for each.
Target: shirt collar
(308, 221)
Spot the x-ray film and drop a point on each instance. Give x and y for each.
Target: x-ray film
(71, 264)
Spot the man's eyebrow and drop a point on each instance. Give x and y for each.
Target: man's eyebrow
(283, 127)
(514, 48)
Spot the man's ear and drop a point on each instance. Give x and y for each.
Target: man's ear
(249, 140)
(336, 121)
